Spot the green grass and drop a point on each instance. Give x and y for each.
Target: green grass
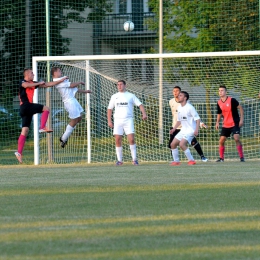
(153, 211)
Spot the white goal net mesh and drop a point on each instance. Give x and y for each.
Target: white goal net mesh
(199, 76)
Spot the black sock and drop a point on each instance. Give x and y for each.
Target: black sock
(197, 147)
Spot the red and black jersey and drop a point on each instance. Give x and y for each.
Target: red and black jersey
(228, 109)
(26, 94)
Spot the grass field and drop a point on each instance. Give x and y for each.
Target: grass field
(153, 211)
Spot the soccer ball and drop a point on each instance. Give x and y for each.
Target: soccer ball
(129, 26)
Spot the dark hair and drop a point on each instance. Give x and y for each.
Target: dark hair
(54, 69)
(121, 80)
(223, 86)
(186, 94)
(177, 88)
(25, 70)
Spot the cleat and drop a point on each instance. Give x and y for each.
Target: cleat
(62, 143)
(175, 163)
(19, 157)
(119, 163)
(204, 159)
(220, 160)
(242, 159)
(45, 130)
(191, 162)
(135, 162)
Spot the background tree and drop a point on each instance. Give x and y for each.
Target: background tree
(206, 26)
(12, 34)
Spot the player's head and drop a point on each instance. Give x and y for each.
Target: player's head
(176, 91)
(121, 85)
(56, 72)
(222, 90)
(28, 74)
(183, 96)
(121, 81)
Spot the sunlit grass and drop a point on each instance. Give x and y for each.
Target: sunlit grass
(154, 211)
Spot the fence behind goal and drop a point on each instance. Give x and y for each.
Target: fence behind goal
(200, 74)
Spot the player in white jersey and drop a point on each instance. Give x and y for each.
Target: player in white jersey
(123, 102)
(67, 91)
(174, 104)
(189, 119)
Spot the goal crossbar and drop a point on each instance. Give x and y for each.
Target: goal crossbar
(145, 56)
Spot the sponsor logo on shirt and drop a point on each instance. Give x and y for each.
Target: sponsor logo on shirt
(122, 104)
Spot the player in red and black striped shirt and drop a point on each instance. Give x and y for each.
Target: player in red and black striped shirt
(28, 108)
(227, 107)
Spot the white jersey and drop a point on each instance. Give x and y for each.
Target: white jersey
(64, 89)
(174, 108)
(124, 104)
(188, 116)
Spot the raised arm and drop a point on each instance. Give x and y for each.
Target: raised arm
(54, 83)
(84, 91)
(34, 84)
(75, 84)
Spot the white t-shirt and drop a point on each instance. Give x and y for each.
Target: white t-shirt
(188, 116)
(174, 108)
(64, 88)
(124, 104)
(174, 105)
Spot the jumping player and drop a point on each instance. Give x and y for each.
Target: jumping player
(174, 104)
(190, 121)
(67, 91)
(227, 107)
(124, 103)
(28, 108)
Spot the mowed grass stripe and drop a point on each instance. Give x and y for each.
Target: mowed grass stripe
(164, 187)
(107, 232)
(115, 254)
(117, 220)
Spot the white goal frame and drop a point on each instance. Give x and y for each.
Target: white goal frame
(87, 58)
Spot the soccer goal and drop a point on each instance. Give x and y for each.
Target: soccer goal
(151, 77)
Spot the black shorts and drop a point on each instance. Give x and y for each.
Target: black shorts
(172, 136)
(231, 130)
(27, 111)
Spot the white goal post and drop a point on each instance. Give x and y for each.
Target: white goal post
(198, 73)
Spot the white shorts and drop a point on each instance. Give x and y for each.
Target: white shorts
(73, 107)
(185, 136)
(122, 126)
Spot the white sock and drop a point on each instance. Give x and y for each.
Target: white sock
(175, 155)
(68, 132)
(188, 154)
(119, 153)
(133, 151)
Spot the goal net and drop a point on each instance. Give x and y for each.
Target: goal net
(151, 77)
